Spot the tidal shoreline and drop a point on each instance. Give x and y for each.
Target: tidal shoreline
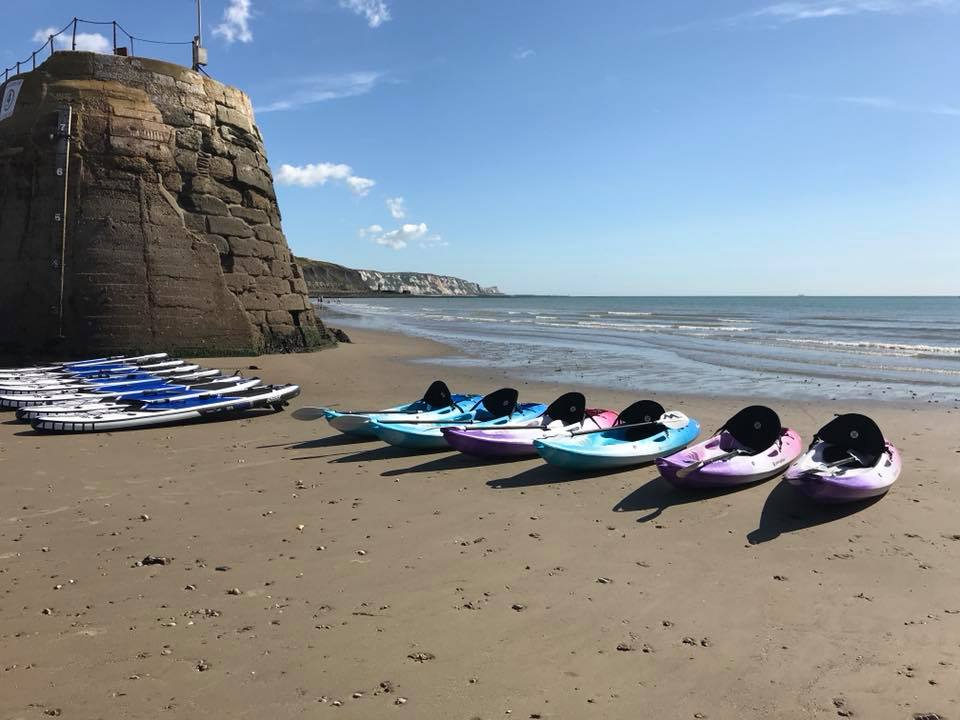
(462, 589)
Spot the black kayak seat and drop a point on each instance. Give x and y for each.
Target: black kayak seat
(438, 395)
(852, 434)
(500, 403)
(569, 408)
(642, 411)
(756, 428)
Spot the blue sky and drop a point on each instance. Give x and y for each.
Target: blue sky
(618, 147)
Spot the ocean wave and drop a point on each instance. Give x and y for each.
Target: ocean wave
(629, 314)
(654, 327)
(936, 350)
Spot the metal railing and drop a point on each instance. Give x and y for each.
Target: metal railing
(71, 27)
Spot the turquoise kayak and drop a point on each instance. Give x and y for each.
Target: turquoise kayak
(437, 404)
(497, 408)
(643, 432)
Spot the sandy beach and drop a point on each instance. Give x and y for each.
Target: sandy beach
(308, 575)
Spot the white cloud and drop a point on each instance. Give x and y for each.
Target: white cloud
(90, 42)
(885, 103)
(320, 88)
(236, 22)
(797, 10)
(524, 54)
(375, 11)
(433, 241)
(397, 208)
(322, 173)
(396, 239)
(359, 185)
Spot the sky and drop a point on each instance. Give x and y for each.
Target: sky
(581, 147)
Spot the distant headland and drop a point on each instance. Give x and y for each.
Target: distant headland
(332, 280)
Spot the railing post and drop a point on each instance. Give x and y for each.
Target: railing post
(74, 44)
(50, 40)
(114, 37)
(33, 59)
(18, 67)
(131, 44)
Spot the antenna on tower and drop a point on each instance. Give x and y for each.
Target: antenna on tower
(199, 51)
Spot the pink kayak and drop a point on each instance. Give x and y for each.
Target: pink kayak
(849, 460)
(565, 415)
(750, 447)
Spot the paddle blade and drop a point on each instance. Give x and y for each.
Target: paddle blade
(684, 472)
(308, 413)
(675, 420)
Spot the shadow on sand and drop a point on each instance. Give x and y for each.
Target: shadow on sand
(658, 494)
(787, 510)
(546, 475)
(385, 452)
(326, 442)
(331, 441)
(456, 461)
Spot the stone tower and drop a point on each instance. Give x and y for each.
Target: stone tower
(151, 223)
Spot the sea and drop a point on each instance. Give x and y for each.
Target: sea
(843, 348)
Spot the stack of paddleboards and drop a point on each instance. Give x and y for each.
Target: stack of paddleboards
(121, 392)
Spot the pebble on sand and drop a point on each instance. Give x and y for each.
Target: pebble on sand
(421, 656)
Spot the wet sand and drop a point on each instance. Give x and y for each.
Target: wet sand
(311, 576)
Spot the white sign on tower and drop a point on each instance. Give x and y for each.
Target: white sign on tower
(10, 94)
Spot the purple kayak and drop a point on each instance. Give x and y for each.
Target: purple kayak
(566, 414)
(750, 447)
(849, 460)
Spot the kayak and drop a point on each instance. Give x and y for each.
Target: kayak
(848, 460)
(499, 407)
(643, 432)
(750, 447)
(567, 413)
(79, 364)
(167, 413)
(437, 403)
(108, 382)
(133, 398)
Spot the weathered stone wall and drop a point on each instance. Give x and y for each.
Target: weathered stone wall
(174, 239)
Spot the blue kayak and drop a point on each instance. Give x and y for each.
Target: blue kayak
(437, 404)
(497, 408)
(643, 432)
